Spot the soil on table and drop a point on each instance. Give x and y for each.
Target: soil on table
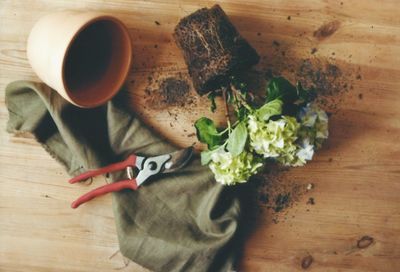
(174, 91)
(166, 91)
(276, 192)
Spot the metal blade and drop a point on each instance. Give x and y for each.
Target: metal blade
(178, 160)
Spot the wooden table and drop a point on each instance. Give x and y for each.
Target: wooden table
(356, 175)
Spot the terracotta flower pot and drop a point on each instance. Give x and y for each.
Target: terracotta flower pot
(84, 56)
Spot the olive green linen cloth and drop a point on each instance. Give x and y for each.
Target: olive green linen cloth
(178, 222)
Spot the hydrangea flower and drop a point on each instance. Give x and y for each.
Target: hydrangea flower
(304, 152)
(273, 138)
(230, 170)
(314, 123)
(313, 131)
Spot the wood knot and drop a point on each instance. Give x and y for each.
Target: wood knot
(327, 30)
(365, 241)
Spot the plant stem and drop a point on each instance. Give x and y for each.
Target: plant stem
(227, 116)
(240, 97)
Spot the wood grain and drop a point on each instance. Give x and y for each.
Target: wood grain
(356, 175)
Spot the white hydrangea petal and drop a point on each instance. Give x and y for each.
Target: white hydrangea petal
(280, 143)
(252, 124)
(306, 153)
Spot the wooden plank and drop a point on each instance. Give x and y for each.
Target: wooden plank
(356, 175)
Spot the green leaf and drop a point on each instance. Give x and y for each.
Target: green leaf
(207, 132)
(281, 88)
(241, 113)
(304, 95)
(237, 139)
(269, 109)
(211, 96)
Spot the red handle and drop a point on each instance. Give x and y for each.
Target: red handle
(113, 187)
(130, 161)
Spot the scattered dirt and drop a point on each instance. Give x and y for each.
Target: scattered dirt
(322, 76)
(311, 201)
(172, 91)
(365, 242)
(313, 50)
(276, 192)
(275, 43)
(330, 77)
(327, 30)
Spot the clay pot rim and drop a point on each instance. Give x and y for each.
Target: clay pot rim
(124, 31)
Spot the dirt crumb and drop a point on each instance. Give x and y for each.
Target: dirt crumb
(311, 201)
(275, 43)
(314, 50)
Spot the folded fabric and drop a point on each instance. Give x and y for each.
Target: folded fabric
(179, 222)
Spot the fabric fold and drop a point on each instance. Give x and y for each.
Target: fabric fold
(177, 222)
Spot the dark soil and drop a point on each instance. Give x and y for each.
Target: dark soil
(174, 91)
(169, 92)
(311, 201)
(322, 76)
(314, 50)
(212, 48)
